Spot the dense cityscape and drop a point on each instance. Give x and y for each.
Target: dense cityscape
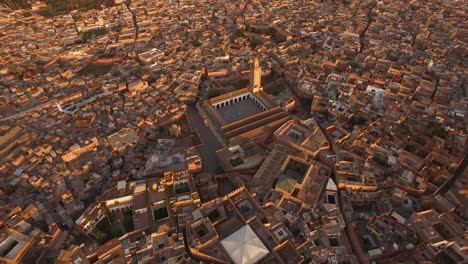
(233, 131)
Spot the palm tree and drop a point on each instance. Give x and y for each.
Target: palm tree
(105, 209)
(91, 220)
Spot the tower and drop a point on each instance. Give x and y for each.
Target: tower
(331, 193)
(59, 106)
(256, 76)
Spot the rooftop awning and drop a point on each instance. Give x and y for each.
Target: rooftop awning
(244, 246)
(286, 184)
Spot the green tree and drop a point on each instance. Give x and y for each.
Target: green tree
(197, 43)
(213, 93)
(45, 12)
(91, 220)
(61, 7)
(255, 42)
(16, 4)
(42, 225)
(86, 35)
(106, 211)
(27, 14)
(239, 33)
(19, 72)
(128, 221)
(272, 31)
(100, 236)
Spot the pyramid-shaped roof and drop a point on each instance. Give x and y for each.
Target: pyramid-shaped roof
(244, 246)
(286, 184)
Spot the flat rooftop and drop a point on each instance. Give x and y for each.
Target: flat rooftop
(10, 247)
(239, 110)
(140, 211)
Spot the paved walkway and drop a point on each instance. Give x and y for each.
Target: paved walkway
(239, 110)
(210, 143)
(32, 109)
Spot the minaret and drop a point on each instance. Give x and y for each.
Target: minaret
(59, 106)
(256, 76)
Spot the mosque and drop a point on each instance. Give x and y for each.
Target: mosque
(245, 114)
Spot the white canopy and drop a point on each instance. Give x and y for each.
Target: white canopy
(331, 186)
(244, 246)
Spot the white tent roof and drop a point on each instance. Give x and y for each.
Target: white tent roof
(244, 246)
(331, 186)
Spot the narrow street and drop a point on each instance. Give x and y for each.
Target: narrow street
(32, 109)
(128, 3)
(362, 37)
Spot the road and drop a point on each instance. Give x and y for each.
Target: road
(362, 37)
(32, 109)
(457, 173)
(209, 141)
(77, 107)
